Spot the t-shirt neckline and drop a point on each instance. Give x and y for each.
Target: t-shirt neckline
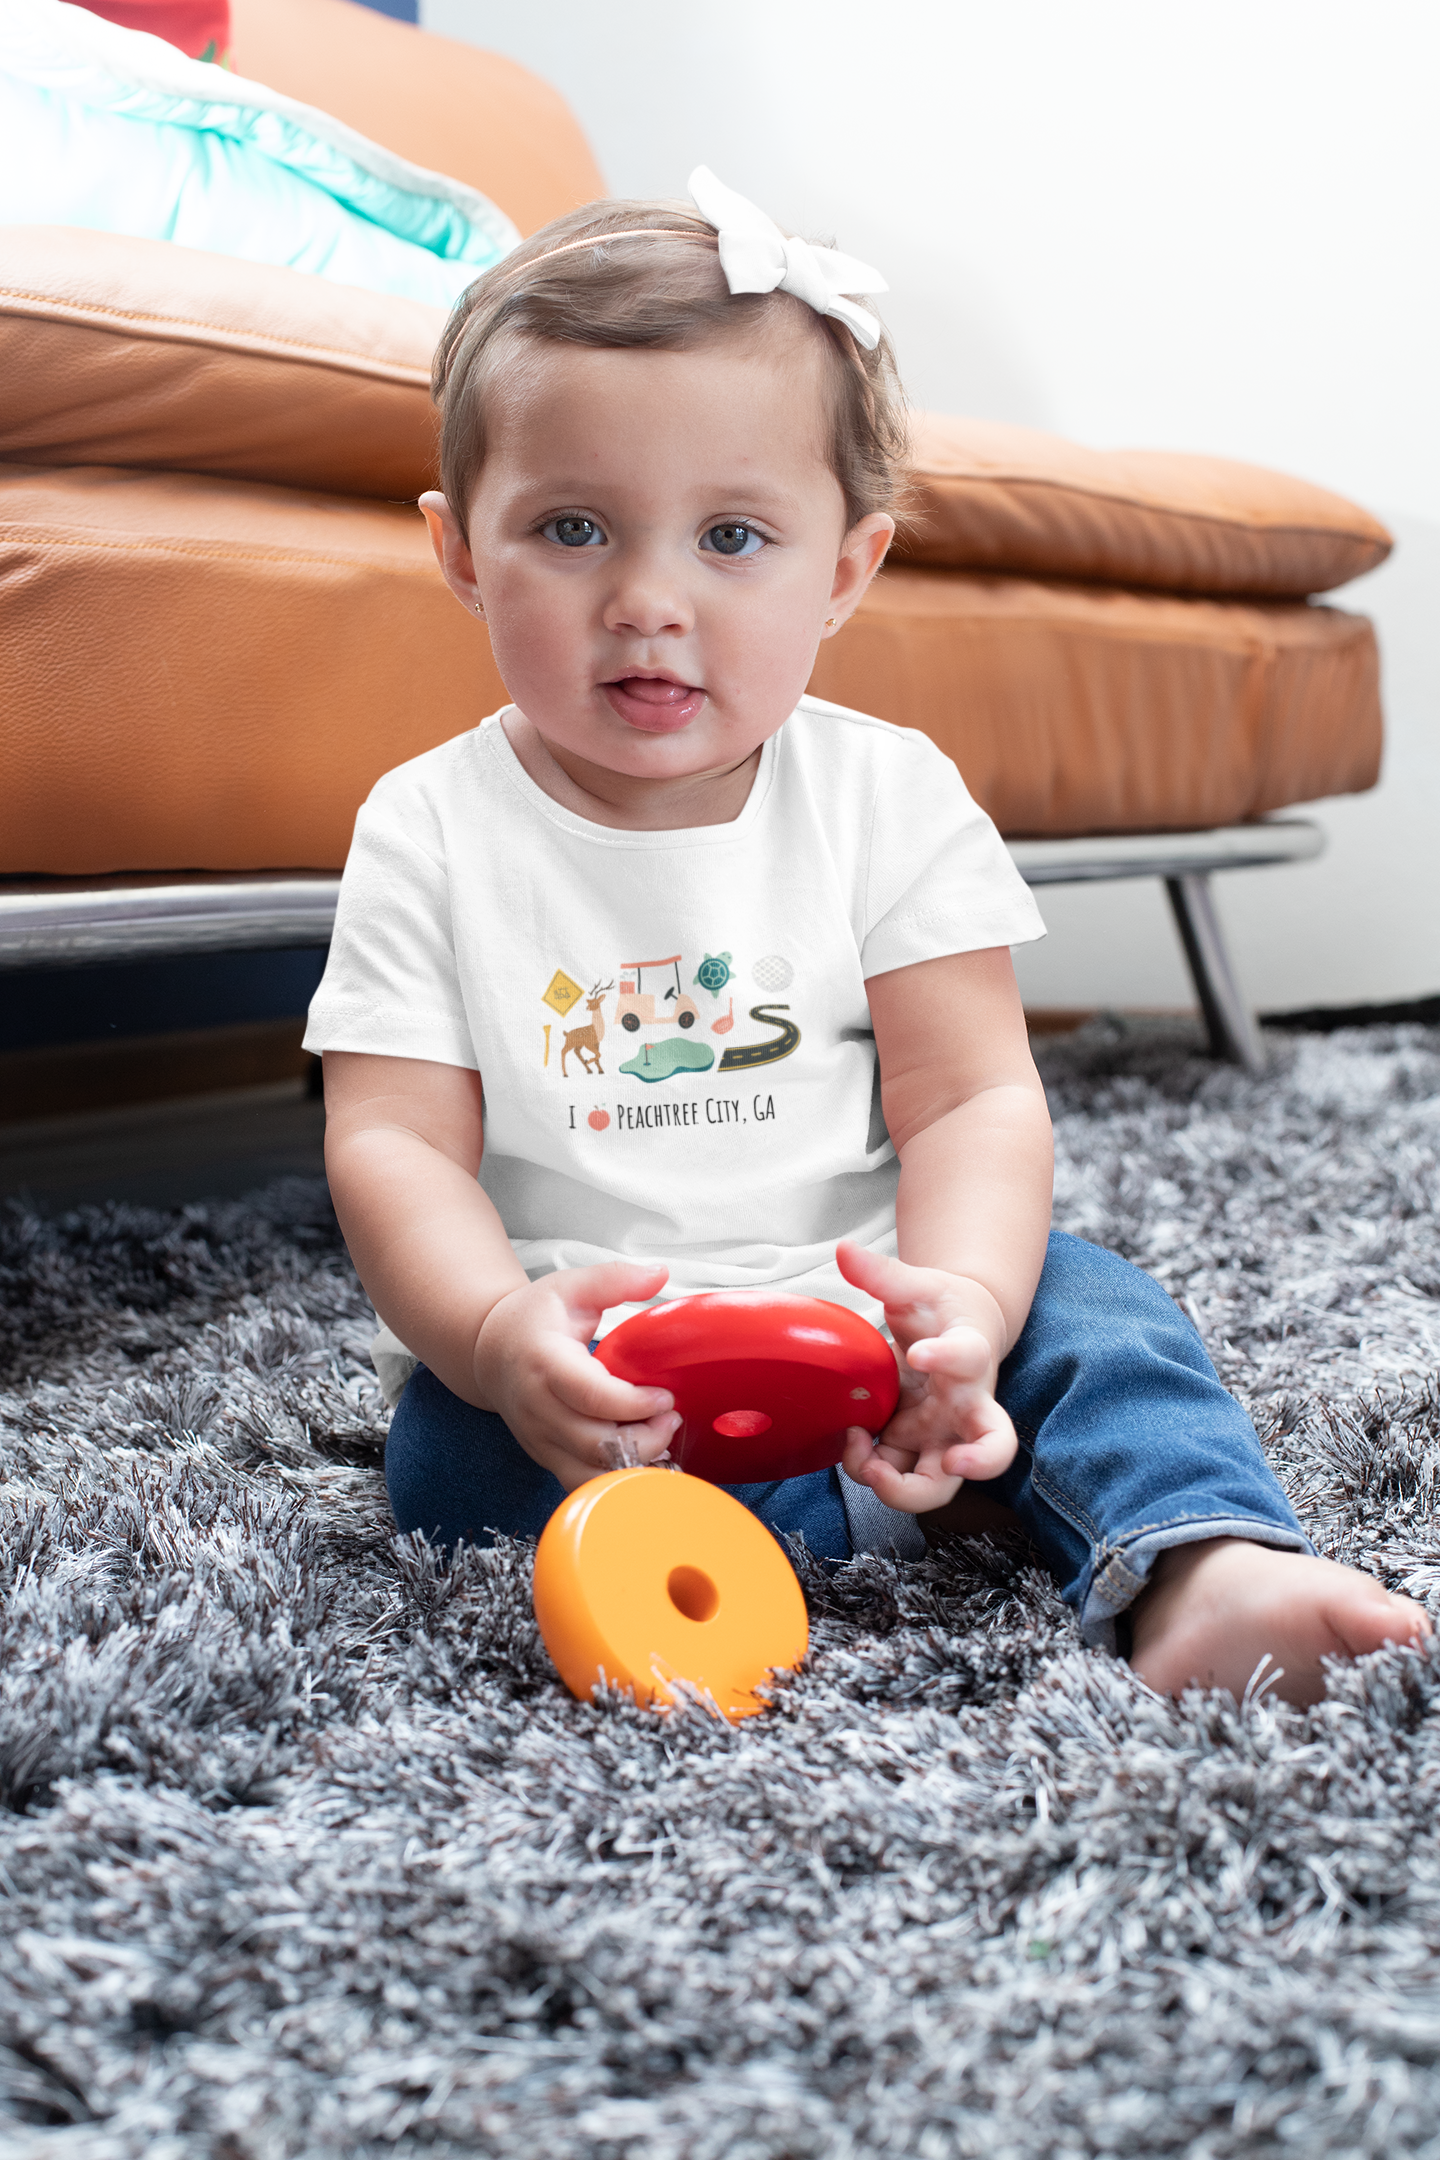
(686, 836)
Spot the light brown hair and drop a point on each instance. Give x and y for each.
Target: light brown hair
(667, 293)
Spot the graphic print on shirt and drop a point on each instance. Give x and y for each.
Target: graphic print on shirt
(561, 992)
(664, 1003)
(662, 1060)
(773, 972)
(746, 1055)
(583, 1043)
(664, 1023)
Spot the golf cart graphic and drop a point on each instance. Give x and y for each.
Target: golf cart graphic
(635, 1006)
(673, 1039)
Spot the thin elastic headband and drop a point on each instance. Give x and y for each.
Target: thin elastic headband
(758, 258)
(637, 232)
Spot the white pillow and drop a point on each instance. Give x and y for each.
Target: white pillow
(118, 131)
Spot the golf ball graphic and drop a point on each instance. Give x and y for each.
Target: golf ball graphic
(773, 972)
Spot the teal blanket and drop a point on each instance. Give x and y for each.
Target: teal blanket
(119, 131)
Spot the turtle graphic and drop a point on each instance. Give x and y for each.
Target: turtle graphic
(713, 972)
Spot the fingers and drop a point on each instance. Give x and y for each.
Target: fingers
(962, 1353)
(584, 1385)
(579, 1419)
(912, 1490)
(986, 1456)
(980, 1450)
(924, 1304)
(953, 1431)
(896, 1284)
(532, 1365)
(956, 1410)
(577, 1449)
(587, 1292)
(963, 1424)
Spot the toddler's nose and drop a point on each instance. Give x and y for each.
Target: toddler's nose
(648, 601)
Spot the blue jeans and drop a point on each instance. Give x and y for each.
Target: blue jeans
(1128, 1445)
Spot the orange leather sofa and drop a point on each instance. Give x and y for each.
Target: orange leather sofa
(221, 621)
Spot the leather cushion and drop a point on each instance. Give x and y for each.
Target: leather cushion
(211, 674)
(988, 496)
(1077, 709)
(135, 352)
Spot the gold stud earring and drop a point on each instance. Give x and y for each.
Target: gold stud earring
(478, 609)
(831, 622)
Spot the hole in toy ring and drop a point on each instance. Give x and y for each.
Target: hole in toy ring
(743, 1424)
(693, 1593)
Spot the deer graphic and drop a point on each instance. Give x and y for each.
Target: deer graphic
(585, 1041)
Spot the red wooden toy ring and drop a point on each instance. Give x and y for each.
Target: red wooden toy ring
(765, 1382)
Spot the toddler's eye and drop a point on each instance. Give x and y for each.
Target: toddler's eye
(733, 540)
(574, 532)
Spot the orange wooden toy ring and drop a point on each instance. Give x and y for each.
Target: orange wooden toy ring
(646, 1577)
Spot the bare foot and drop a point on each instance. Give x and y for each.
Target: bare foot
(1212, 1610)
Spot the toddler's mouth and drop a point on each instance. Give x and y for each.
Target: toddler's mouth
(654, 703)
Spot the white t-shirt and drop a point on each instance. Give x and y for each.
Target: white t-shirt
(672, 1027)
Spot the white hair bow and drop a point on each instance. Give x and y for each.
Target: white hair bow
(756, 258)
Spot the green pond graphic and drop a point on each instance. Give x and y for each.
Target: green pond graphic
(662, 1060)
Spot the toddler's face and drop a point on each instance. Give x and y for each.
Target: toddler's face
(657, 541)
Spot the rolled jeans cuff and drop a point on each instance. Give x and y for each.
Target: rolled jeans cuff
(1122, 1572)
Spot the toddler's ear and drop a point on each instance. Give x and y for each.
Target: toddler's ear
(452, 549)
(861, 553)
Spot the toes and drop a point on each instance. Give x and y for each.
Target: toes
(1366, 1624)
(1412, 1620)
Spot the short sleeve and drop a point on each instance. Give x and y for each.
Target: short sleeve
(391, 987)
(939, 878)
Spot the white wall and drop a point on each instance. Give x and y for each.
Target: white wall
(1134, 222)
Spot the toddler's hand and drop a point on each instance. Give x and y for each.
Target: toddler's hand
(532, 1366)
(949, 1426)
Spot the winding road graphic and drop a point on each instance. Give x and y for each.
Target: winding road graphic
(746, 1055)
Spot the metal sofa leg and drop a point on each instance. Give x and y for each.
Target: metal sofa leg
(1233, 1033)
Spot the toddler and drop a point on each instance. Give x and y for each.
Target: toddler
(668, 977)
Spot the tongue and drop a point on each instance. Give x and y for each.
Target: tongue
(650, 692)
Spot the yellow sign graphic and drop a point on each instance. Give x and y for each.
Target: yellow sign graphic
(562, 993)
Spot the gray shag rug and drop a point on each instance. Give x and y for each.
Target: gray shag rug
(305, 1851)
